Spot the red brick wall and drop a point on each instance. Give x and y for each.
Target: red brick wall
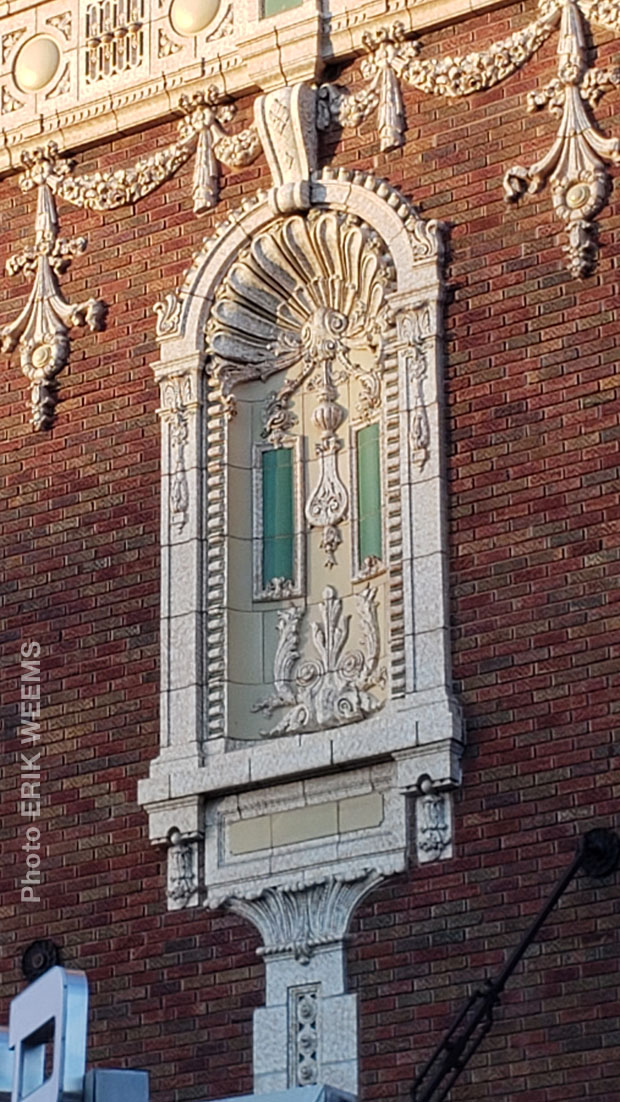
(532, 445)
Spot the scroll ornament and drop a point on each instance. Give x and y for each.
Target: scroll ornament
(333, 686)
(575, 166)
(42, 328)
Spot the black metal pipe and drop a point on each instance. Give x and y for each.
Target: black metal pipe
(598, 855)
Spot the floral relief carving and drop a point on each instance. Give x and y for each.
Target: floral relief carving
(62, 23)
(62, 86)
(183, 879)
(9, 102)
(176, 396)
(224, 27)
(10, 40)
(304, 296)
(477, 71)
(200, 133)
(168, 314)
(165, 46)
(42, 328)
(331, 687)
(328, 504)
(389, 53)
(434, 828)
(415, 328)
(304, 1039)
(575, 164)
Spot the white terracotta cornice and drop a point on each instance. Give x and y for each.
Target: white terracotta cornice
(238, 56)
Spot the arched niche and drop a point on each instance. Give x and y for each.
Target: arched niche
(315, 327)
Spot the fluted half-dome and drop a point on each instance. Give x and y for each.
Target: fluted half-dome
(298, 267)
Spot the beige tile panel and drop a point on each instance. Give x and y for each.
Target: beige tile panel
(360, 812)
(304, 824)
(248, 835)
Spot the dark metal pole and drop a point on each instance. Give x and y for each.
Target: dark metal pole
(598, 855)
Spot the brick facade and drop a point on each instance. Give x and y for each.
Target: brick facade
(532, 443)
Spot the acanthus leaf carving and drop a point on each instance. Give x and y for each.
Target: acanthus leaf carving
(62, 22)
(299, 918)
(224, 27)
(165, 46)
(333, 686)
(168, 314)
(9, 102)
(42, 328)
(183, 870)
(10, 40)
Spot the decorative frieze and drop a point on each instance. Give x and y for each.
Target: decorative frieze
(200, 133)
(575, 166)
(43, 326)
(389, 51)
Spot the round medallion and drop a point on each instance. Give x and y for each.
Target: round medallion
(41, 355)
(577, 196)
(37, 63)
(190, 17)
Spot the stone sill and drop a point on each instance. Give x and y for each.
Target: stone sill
(427, 740)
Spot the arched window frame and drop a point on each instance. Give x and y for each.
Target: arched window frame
(422, 735)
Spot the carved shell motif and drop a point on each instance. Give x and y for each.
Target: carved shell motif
(278, 284)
